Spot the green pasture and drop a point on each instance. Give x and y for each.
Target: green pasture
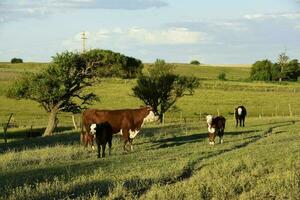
(169, 161)
(213, 96)
(174, 161)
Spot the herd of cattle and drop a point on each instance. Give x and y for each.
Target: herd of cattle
(100, 125)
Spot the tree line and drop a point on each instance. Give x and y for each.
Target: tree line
(283, 70)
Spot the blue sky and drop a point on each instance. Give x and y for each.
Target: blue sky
(212, 31)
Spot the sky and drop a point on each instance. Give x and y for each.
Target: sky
(211, 31)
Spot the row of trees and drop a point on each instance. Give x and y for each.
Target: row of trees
(284, 69)
(61, 87)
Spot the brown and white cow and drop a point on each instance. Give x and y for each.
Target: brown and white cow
(127, 122)
(216, 126)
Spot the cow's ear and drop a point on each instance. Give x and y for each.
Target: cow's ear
(149, 108)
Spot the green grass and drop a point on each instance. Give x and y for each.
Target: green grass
(171, 161)
(213, 96)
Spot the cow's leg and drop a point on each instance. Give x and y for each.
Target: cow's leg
(92, 143)
(237, 122)
(103, 149)
(125, 134)
(240, 122)
(125, 143)
(130, 143)
(243, 122)
(99, 147)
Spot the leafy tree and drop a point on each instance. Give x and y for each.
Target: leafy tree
(195, 62)
(59, 87)
(262, 70)
(116, 64)
(161, 87)
(291, 71)
(16, 60)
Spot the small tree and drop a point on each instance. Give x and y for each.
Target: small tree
(16, 60)
(59, 87)
(282, 62)
(262, 70)
(195, 62)
(161, 88)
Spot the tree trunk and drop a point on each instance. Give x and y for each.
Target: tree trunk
(52, 122)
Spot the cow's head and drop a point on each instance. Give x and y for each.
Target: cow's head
(93, 129)
(211, 129)
(209, 119)
(150, 117)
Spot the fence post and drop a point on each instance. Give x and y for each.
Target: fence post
(5, 129)
(290, 109)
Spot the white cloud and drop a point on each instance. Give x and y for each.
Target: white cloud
(176, 35)
(272, 16)
(138, 36)
(20, 9)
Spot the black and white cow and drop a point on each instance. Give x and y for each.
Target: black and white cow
(103, 134)
(215, 126)
(240, 115)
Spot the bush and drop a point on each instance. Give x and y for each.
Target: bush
(195, 62)
(222, 76)
(16, 60)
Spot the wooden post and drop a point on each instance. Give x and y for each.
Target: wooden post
(74, 122)
(290, 109)
(5, 129)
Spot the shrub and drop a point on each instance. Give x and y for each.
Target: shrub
(222, 76)
(16, 60)
(195, 62)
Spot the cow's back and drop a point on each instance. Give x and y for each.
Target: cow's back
(116, 118)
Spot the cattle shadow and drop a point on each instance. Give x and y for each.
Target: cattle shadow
(240, 132)
(280, 122)
(66, 138)
(178, 140)
(152, 131)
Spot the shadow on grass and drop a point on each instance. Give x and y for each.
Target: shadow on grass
(177, 141)
(65, 171)
(37, 142)
(152, 131)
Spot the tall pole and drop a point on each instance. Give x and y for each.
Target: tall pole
(83, 37)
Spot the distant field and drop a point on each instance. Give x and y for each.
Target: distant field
(171, 161)
(213, 96)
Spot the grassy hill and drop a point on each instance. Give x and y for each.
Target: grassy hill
(170, 161)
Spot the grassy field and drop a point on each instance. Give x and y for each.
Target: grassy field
(174, 161)
(170, 161)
